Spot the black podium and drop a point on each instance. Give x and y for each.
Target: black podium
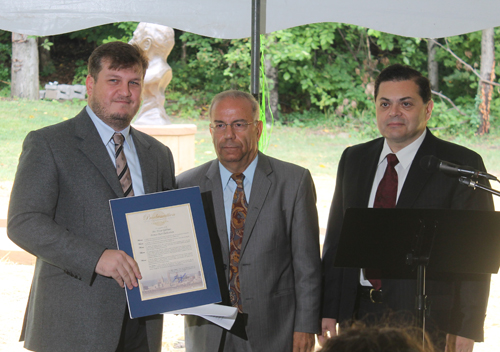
(409, 242)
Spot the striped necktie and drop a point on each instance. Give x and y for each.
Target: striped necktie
(122, 167)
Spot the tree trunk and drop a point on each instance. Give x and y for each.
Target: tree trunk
(432, 65)
(184, 53)
(487, 74)
(272, 80)
(25, 83)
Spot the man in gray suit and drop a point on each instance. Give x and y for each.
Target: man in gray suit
(274, 273)
(59, 212)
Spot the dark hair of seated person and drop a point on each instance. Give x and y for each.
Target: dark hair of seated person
(360, 338)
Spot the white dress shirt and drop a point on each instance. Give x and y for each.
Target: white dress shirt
(405, 157)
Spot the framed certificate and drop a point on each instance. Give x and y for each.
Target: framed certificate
(166, 233)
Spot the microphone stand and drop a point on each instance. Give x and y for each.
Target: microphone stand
(419, 258)
(475, 184)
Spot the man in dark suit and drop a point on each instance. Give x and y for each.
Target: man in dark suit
(403, 108)
(59, 212)
(273, 274)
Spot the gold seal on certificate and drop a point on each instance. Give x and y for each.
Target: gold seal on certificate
(165, 247)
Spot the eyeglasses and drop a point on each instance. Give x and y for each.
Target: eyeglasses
(235, 126)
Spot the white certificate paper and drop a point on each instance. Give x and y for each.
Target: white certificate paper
(164, 245)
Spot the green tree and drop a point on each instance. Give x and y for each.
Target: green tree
(5, 61)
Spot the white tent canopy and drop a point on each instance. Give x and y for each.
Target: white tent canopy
(232, 18)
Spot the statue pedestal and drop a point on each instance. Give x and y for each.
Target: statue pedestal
(180, 140)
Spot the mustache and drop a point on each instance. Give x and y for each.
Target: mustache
(229, 145)
(125, 99)
(395, 119)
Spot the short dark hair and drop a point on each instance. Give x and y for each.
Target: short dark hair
(378, 339)
(120, 55)
(236, 94)
(398, 73)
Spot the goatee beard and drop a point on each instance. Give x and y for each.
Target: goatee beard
(115, 120)
(122, 120)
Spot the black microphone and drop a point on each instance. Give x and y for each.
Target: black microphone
(432, 164)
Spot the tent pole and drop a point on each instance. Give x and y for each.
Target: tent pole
(255, 54)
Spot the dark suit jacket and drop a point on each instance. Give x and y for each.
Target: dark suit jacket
(458, 303)
(280, 268)
(59, 211)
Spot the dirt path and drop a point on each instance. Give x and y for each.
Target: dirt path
(16, 280)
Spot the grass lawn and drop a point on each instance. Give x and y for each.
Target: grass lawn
(317, 148)
(17, 118)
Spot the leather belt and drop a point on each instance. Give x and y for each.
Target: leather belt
(369, 293)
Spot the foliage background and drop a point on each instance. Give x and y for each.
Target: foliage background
(325, 72)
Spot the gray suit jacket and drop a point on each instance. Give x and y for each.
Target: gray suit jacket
(59, 211)
(280, 266)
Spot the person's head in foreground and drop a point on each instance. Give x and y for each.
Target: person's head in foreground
(378, 339)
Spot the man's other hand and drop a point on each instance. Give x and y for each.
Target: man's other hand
(458, 344)
(303, 342)
(328, 329)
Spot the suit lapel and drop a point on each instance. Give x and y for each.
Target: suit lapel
(91, 145)
(367, 168)
(214, 184)
(417, 177)
(260, 189)
(148, 162)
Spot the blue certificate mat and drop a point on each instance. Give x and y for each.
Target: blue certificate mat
(166, 233)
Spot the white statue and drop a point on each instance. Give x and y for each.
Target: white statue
(157, 42)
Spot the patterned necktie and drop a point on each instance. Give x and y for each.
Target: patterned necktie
(238, 216)
(122, 167)
(385, 197)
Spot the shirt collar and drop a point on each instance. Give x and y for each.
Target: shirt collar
(225, 174)
(106, 132)
(405, 155)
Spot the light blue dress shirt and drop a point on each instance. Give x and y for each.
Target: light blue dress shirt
(106, 134)
(229, 186)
